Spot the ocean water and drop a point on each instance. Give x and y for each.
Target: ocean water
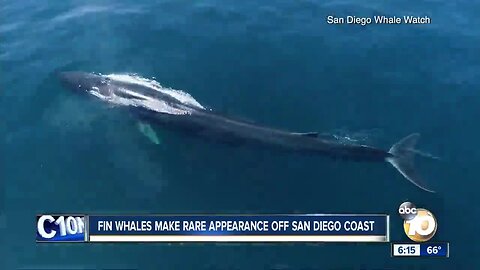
(278, 63)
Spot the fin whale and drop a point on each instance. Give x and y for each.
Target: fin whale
(178, 110)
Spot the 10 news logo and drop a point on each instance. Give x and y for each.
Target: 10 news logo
(419, 224)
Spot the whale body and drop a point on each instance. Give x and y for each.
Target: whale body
(178, 110)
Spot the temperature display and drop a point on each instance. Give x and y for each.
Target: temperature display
(434, 250)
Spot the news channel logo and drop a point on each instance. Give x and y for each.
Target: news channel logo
(61, 228)
(419, 224)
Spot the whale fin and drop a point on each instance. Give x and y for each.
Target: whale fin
(403, 158)
(148, 131)
(308, 134)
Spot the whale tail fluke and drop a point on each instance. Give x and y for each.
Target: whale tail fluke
(403, 160)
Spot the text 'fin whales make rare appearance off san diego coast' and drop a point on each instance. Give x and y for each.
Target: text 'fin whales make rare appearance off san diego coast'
(176, 109)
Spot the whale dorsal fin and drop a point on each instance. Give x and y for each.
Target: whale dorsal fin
(308, 134)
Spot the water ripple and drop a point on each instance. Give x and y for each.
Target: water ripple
(87, 10)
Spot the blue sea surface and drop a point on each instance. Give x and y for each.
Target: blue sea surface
(277, 63)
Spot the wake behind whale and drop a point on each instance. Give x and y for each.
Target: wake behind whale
(176, 109)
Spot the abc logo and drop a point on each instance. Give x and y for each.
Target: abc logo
(419, 224)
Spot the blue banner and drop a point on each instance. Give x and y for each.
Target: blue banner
(240, 225)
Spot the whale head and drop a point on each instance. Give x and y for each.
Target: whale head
(83, 81)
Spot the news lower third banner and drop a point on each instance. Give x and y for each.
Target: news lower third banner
(213, 228)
